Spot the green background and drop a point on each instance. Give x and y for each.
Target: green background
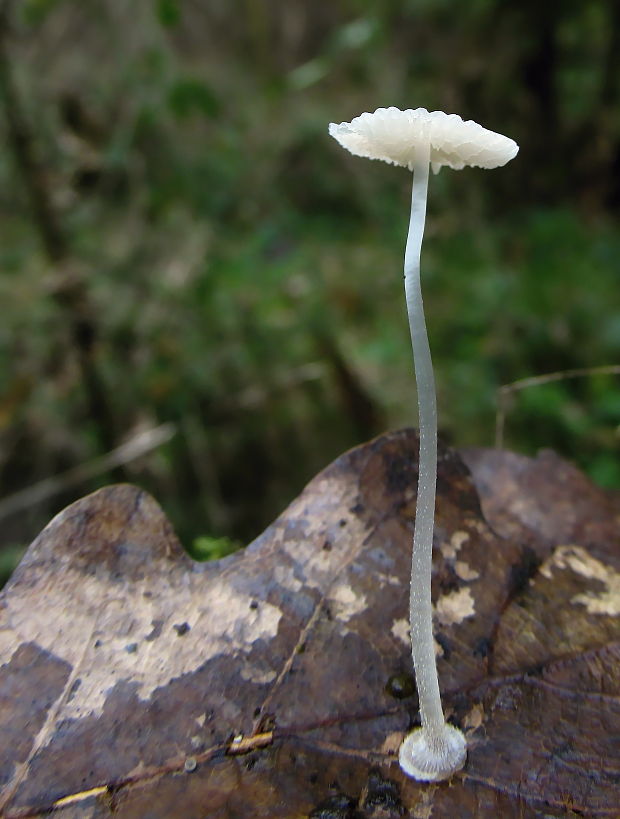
(181, 241)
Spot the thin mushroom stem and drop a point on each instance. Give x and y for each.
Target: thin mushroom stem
(420, 613)
(436, 750)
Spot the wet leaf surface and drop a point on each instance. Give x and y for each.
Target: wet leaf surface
(277, 682)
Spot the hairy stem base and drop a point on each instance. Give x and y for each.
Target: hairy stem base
(432, 757)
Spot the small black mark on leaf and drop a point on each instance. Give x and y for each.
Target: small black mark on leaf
(267, 724)
(522, 571)
(482, 647)
(448, 579)
(254, 605)
(508, 699)
(401, 474)
(74, 688)
(563, 751)
(339, 806)
(181, 628)
(131, 648)
(382, 793)
(155, 632)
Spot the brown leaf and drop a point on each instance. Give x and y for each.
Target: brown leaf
(276, 682)
(547, 498)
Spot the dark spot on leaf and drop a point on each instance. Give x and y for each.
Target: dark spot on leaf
(327, 547)
(507, 699)
(401, 474)
(482, 647)
(131, 648)
(400, 686)
(181, 628)
(357, 509)
(415, 720)
(342, 522)
(97, 643)
(254, 605)
(448, 580)
(382, 793)
(609, 776)
(267, 723)
(461, 704)
(301, 648)
(340, 806)
(522, 571)
(74, 688)
(156, 631)
(563, 750)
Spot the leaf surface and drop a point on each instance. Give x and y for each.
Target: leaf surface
(277, 682)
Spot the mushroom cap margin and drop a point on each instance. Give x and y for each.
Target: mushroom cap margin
(395, 136)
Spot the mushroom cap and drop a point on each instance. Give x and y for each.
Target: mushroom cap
(397, 136)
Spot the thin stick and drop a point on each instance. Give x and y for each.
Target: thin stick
(506, 390)
(139, 445)
(420, 610)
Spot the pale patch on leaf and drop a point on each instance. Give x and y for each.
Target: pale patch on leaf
(455, 544)
(579, 560)
(474, 718)
(115, 643)
(400, 630)
(392, 742)
(423, 809)
(345, 603)
(454, 607)
(465, 572)
(252, 673)
(285, 576)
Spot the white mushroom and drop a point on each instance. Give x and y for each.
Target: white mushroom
(417, 139)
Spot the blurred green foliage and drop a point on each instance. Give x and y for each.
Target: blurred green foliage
(230, 269)
(212, 548)
(10, 555)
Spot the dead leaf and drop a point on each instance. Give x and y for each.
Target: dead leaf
(547, 498)
(276, 682)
